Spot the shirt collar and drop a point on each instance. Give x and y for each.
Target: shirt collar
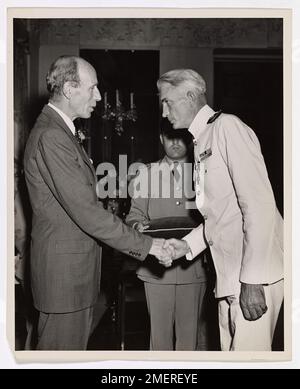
(65, 118)
(170, 161)
(200, 121)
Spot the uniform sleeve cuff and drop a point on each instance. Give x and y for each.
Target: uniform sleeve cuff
(195, 240)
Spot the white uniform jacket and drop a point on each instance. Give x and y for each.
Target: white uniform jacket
(242, 225)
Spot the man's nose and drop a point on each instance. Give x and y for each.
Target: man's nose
(97, 95)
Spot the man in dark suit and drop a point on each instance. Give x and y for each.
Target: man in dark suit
(67, 217)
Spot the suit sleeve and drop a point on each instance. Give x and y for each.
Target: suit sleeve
(58, 164)
(241, 152)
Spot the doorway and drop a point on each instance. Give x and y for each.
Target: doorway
(128, 71)
(249, 84)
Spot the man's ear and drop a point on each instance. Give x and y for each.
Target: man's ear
(67, 89)
(161, 139)
(191, 96)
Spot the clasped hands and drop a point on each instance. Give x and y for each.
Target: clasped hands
(168, 250)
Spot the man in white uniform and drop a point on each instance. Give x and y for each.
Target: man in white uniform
(242, 225)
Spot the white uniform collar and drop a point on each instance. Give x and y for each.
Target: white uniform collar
(65, 118)
(200, 121)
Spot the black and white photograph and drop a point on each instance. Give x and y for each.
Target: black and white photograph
(149, 184)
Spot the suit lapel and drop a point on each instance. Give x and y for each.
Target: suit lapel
(86, 159)
(61, 123)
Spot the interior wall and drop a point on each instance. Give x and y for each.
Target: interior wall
(199, 59)
(181, 42)
(20, 85)
(47, 54)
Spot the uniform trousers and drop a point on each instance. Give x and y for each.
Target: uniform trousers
(239, 334)
(174, 307)
(64, 331)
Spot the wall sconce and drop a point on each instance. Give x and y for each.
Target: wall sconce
(118, 113)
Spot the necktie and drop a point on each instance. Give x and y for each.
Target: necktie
(176, 171)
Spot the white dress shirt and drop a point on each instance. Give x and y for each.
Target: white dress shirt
(65, 118)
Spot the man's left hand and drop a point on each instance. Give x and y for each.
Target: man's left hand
(253, 301)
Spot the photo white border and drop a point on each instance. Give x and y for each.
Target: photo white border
(39, 356)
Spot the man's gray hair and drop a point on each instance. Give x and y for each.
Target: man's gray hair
(62, 70)
(187, 77)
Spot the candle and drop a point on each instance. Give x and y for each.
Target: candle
(117, 97)
(105, 99)
(131, 100)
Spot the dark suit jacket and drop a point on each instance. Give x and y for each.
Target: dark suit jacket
(68, 220)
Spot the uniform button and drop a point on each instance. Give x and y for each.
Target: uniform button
(205, 217)
(210, 242)
(178, 202)
(194, 141)
(198, 193)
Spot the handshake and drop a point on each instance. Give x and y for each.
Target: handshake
(168, 250)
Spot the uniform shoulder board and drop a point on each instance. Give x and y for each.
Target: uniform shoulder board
(214, 117)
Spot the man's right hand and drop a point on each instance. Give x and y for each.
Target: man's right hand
(181, 247)
(163, 251)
